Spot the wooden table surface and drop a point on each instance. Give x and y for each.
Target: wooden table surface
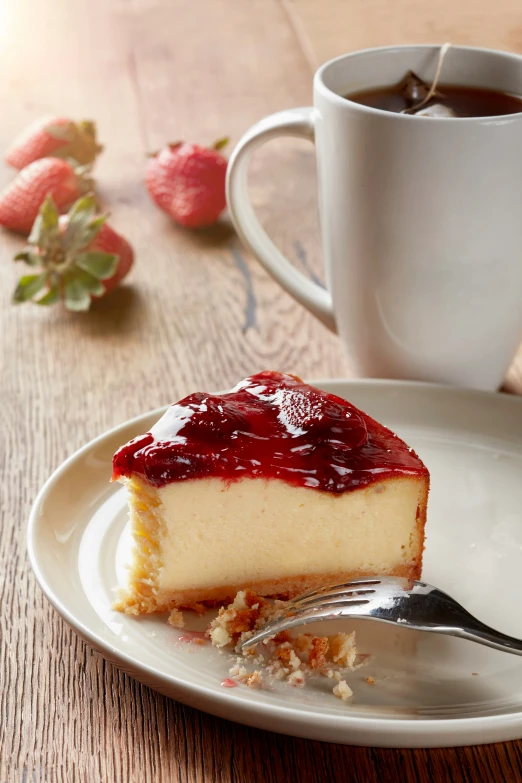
(198, 313)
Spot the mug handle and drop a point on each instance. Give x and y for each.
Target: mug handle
(292, 122)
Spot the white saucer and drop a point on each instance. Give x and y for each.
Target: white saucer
(429, 690)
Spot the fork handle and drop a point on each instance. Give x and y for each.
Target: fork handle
(483, 635)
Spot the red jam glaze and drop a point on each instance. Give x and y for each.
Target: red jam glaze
(228, 683)
(199, 637)
(269, 426)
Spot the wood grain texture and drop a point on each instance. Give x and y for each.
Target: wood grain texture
(329, 28)
(198, 313)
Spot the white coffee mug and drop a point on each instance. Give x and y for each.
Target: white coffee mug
(421, 218)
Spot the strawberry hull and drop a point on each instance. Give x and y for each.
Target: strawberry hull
(74, 258)
(56, 137)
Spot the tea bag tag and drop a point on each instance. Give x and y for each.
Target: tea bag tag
(435, 110)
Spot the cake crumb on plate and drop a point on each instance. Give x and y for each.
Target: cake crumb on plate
(342, 690)
(281, 657)
(176, 619)
(296, 678)
(342, 649)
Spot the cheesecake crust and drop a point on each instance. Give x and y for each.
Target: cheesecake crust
(199, 600)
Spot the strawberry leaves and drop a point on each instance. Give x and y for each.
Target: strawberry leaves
(219, 144)
(28, 286)
(76, 295)
(31, 259)
(45, 227)
(100, 265)
(70, 269)
(83, 224)
(52, 296)
(79, 141)
(89, 283)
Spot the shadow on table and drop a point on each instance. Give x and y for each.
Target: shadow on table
(221, 233)
(114, 312)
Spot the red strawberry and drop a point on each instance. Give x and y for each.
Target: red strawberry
(77, 257)
(56, 137)
(22, 198)
(109, 241)
(188, 182)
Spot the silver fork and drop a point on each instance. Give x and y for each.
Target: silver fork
(388, 599)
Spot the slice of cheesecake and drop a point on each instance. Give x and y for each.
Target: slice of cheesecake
(275, 487)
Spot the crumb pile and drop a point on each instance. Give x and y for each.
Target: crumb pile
(283, 656)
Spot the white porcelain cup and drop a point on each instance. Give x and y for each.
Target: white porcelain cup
(421, 219)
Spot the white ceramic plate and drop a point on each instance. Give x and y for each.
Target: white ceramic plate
(429, 690)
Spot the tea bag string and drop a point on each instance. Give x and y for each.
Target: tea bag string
(433, 89)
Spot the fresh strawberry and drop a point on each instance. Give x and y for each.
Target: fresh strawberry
(56, 137)
(188, 182)
(77, 257)
(22, 198)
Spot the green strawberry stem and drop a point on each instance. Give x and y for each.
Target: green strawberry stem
(81, 144)
(67, 268)
(221, 143)
(172, 145)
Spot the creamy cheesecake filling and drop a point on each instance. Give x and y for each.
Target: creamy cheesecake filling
(204, 534)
